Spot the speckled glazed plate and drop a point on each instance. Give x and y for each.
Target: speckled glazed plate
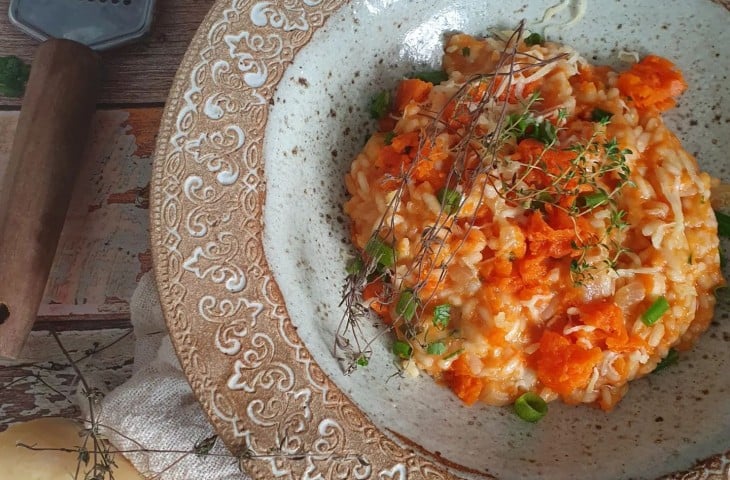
(265, 115)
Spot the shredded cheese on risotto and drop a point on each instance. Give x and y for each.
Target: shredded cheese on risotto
(528, 224)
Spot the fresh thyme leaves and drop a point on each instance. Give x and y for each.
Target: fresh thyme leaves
(432, 76)
(601, 116)
(534, 39)
(502, 138)
(380, 104)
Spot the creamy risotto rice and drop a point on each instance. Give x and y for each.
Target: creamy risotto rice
(530, 224)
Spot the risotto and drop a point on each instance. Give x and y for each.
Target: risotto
(529, 225)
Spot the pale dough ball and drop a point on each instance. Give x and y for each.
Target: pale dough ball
(20, 463)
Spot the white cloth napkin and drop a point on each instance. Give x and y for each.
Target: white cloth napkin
(156, 409)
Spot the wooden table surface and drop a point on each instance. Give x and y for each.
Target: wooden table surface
(104, 248)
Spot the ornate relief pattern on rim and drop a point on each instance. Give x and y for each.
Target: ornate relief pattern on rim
(249, 369)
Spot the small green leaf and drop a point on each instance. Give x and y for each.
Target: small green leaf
(381, 252)
(388, 138)
(362, 360)
(354, 266)
(436, 348)
(380, 104)
(671, 358)
(406, 306)
(441, 316)
(449, 199)
(601, 116)
(534, 39)
(402, 349)
(432, 76)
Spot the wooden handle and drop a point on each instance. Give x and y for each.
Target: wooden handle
(35, 190)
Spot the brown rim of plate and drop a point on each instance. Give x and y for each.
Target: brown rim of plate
(267, 398)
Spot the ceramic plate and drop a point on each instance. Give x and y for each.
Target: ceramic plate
(250, 243)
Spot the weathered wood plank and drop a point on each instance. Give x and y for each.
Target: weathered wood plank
(104, 247)
(137, 73)
(43, 383)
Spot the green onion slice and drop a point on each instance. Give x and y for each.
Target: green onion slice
(383, 253)
(530, 407)
(354, 266)
(436, 348)
(655, 311)
(595, 199)
(601, 116)
(432, 76)
(723, 224)
(402, 349)
(671, 358)
(442, 315)
(449, 199)
(406, 306)
(534, 39)
(380, 104)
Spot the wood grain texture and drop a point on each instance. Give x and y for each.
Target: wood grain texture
(34, 196)
(136, 73)
(43, 383)
(104, 246)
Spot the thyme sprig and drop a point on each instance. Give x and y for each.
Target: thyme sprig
(474, 156)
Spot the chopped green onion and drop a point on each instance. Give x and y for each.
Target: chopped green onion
(466, 51)
(601, 116)
(383, 253)
(355, 266)
(544, 132)
(655, 311)
(436, 348)
(723, 224)
(388, 139)
(671, 358)
(595, 199)
(449, 199)
(441, 315)
(406, 306)
(432, 76)
(362, 360)
(530, 407)
(402, 349)
(534, 39)
(380, 104)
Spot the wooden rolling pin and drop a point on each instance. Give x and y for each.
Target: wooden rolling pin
(35, 190)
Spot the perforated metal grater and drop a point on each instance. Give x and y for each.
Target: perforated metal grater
(99, 24)
(60, 99)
